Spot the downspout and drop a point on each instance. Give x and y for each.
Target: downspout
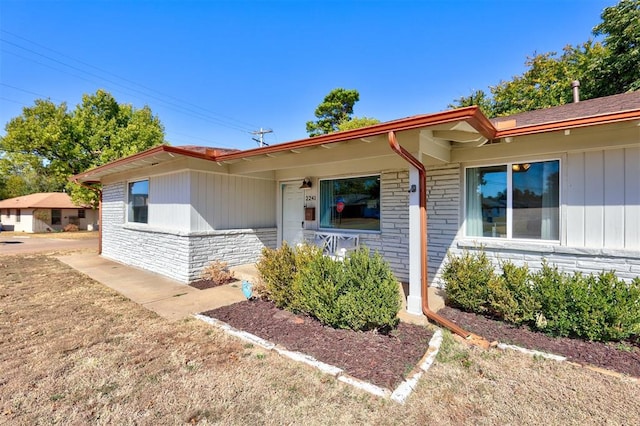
(406, 155)
(99, 192)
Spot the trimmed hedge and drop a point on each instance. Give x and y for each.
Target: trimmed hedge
(596, 307)
(359, 293)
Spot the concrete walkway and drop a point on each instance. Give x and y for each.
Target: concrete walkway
(173, 300)
(168, 298)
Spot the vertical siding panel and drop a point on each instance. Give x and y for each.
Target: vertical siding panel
(632, 198)
(224, 199)
(575, 200)
(203, 208)
(614, 198)
(594, 199)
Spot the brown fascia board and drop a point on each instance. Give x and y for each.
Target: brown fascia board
(209, 154)
(571, 123)
(471, 115)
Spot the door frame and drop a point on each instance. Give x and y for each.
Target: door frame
(279, 211)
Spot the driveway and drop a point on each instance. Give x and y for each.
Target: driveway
(25, 244)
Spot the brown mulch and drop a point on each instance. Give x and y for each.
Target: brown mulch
(205, 284)
(622, 357)
(384, 360)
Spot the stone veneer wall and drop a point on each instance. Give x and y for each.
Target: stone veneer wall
(177, 255)
(443, 213)
(393, 240)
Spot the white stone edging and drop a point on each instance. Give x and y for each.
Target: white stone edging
(531, 352)
(399, 395)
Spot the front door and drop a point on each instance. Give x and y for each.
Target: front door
(292, 213)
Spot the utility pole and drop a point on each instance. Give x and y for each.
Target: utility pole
(261, 132)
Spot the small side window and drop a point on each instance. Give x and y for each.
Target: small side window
(138, 200)
(56, 216)
(81, 214)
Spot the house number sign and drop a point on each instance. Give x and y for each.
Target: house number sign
(310, 198)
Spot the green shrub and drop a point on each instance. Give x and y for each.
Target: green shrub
(467, 279)
(372, 299)
(510, 295)
(277, 270)
(321, 282)
(596, 307)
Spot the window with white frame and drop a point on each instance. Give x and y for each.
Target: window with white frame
(138, 201)
(515, 200)
(350, 203)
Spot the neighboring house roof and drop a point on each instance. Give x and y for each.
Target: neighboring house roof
(42, 200)
(610, 109)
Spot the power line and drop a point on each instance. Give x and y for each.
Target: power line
(249, 125)
(176, 107)
(261, 132)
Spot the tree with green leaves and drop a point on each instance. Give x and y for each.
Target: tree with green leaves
(335, 109)
(357, 122)
(53, 143)
(619, 69)
(606, 68)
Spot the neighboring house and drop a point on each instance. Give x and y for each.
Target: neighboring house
(44, 212)
(561, 183)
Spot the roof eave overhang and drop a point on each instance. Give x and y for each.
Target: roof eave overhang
(570, 124)
(471, 115)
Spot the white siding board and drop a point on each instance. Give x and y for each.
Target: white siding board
(594, 199)
(632, 198)
(231, 202)
(614, 184)
(575, 200)
(169, 201)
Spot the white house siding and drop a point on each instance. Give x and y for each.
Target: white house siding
(169, 201)
(171, 251)
(601, 201)
(393, 240)
(231, 202)
(147, 248)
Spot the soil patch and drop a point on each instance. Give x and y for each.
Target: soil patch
(205, 284)
(384, 360)
(623, 357)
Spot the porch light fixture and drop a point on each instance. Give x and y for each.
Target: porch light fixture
(306, 183)
(520, 167)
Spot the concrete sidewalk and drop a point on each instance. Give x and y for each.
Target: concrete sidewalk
(173, 300)
(168, 298)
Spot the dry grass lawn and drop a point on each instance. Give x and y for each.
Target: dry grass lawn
(75, 352)
(78, 235)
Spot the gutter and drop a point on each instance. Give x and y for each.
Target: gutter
(406, 155)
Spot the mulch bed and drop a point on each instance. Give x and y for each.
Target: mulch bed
(383, 360)
(205, 284)
(622, 357)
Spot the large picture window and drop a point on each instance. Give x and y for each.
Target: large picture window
(350, 203)
(519, 200)
(138, 201)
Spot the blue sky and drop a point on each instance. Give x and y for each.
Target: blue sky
(215, 70)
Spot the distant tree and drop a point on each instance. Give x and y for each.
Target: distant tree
(479, 98)
(357, 122)
(335, 109)
(606, 68)
(54, 143)
(619, 69)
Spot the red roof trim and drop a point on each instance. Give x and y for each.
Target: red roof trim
(575, 122)
(472, 115)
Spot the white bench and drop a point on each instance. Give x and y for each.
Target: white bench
(334, 244)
